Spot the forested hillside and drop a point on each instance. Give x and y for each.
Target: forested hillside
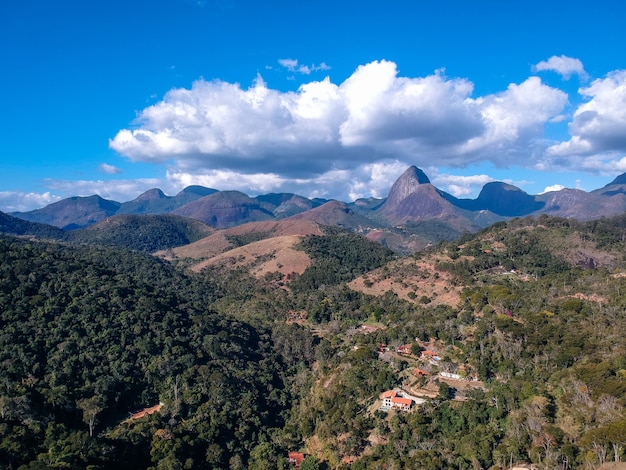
(89, 335)
(529, 366)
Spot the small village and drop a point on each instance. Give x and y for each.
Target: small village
(423, 374)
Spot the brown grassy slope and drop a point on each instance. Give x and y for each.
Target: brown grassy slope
(218, 243)
(207, 247)
(410, 275)
(274, 253)
(278, 228)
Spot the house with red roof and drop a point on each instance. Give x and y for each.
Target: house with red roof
(431, 354)
(404, 349)
(393, 400)
(295, 459)
(144, 412)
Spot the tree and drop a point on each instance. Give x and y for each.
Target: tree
(445, 391)
(310, 463)
(91, 407)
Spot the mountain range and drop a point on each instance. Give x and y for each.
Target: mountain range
(414, 213)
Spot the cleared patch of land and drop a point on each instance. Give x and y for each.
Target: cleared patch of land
(413, 280)
(273, 250)
(275, 254)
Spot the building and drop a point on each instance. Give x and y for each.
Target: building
(392, 400)
(144, 412)
(404, 349)
(450, 375)
(431, 354)
(295, 459)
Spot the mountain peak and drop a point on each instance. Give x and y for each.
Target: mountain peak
(406, 184)
(507, 200)
(151, 195)
(415, 173)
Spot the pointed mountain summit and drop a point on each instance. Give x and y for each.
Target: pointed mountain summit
(413, 198)
(405, 185)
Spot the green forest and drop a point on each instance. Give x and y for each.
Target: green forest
(90, 334)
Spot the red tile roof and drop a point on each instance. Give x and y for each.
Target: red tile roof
(402, 401)
(146, 411)
(296, 458)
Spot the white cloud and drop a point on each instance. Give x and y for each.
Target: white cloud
(563, 65)
(292, 66)
(390, 112)
(598, 137)
(219, 125)
(109, 169)
(460, 186)
(18, 201)
(289, 64)
(554, 187)
(374, 179)
(228, 180)
(373, 114)
(514, 121)
(259, 137)
(599, 124)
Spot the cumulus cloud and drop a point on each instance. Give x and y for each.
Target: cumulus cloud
(514, 121)
(387, 111)
(374, 114)
(353, 139)
(554, 187)
(220, 125)
(18, 201)
(109, 169)
(374, 179)
(598, 137)
(563, 65)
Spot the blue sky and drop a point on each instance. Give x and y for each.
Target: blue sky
(325, 99)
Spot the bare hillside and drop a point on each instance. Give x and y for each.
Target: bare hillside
(223, 240)
(275, 254)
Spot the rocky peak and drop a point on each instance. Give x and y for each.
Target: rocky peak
(406, 185)
(151, 195)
